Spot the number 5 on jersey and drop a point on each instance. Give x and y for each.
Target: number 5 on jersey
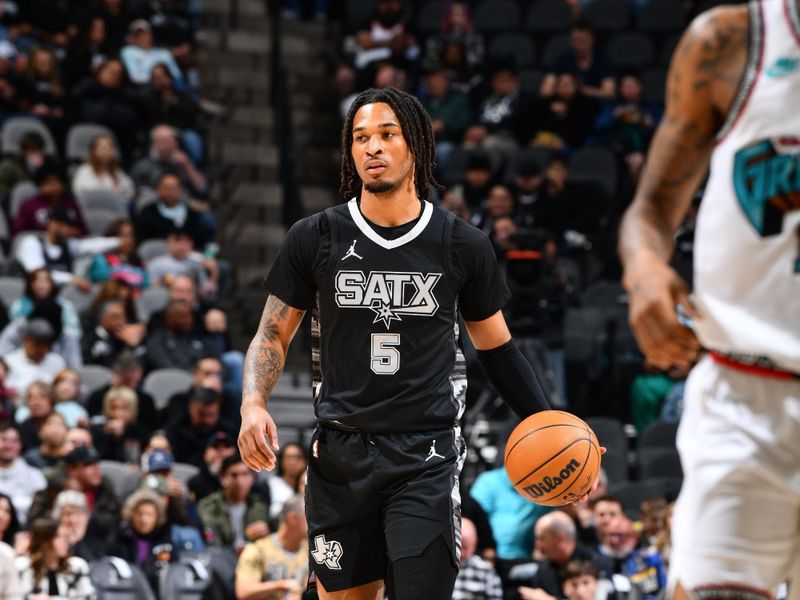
(384, 356)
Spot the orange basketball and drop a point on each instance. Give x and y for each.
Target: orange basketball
(552, 458)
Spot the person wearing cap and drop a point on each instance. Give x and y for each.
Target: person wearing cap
(535, 209)
(477, 181)
(189, 433)
(60, 247)
(182, 260)
(84, 475)
(35, 360)
(34, 212)
(31, 156)
(235, 514)
(139, 56)
(220, 446)
(179, 513)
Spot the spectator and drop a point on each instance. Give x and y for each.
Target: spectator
(653, 511)
(605, 509)
(166, 104)
(478, 180)
(594, 75)
(127, 371)
(9, 522)
(84, 475)
(449, 113)
(123, 262)
(182, 289)
(180, 259)
(185, 536)
(25, 165)
(139, 56)
(156, 220)
(59, 249)
(292, 464)
(89, 49)
(144, 538)
(234, 515)
(454, 202)
(35, 212)
(48, 569)
(276, 565)
(188, 433)
(499, 204)
(165, 156)
(102, 172)
(456, 30)
(178, 345)
(566, 116)
(534, 208)
(9, 578)
(39, 402)
(663, 540)
(112, 336)
(40, 300)
(18, 480)
(72, 514)
(207, 373)
(116, 289)
(66, 391)
(80, 436)
(477, 579)
(55, 445)
(12, 88)
(115, 15)
(45, 97)
(7, 407)
(580, 581)
(35, 360)
(642, 566)
(384, 38)
(206, 482)
(118, 436)
(108, 101)
(556, 541)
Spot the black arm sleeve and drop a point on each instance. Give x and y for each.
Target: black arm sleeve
(512, 376)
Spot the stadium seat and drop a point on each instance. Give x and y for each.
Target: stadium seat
(616, 466)
(115, 579)
(633, 493)
(102, 200)
(496, 16)
(183, 472)
(161, 384)
(15, 128)
(539, 155)
(661, 16)
(530, 80)
(150, 249)
(5, 231)
(548, 16)
(151, 300)
(583, 332)
(124, 478)
(630, 49)
(603, 294)
(659, 462)
(654, 82)
(430, 15)
(607, 15)
(19, 193)
(98, 219)
(186, 579)
(556, 47)
(610, 433)
(80, 300)
(661, 434)
(222, 563)
(94, 377)
(79, 140)
(597, 165)
(11, 288)
(517, 47)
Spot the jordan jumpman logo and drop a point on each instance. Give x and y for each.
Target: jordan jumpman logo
(432, 452)
(352, 251)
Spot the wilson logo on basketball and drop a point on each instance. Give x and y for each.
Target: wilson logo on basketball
(549, 484)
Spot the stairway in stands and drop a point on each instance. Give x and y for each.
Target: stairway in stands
(243, 152)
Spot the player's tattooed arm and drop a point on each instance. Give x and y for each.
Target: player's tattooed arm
(704, 77)
(265, 357)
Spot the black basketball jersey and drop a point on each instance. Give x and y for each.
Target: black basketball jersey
(386, 353)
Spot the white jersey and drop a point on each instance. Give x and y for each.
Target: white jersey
(747, 248)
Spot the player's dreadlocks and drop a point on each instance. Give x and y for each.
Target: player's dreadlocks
(417, 131)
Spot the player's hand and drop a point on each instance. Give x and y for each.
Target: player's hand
(654, 296)
(258, 428)
(585, 498)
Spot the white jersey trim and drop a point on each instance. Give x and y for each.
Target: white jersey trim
(754, 56)
(361, 223)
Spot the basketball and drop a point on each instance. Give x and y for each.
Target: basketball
(552, 458)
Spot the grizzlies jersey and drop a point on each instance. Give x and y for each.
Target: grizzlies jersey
(747, 248)
(384, 332)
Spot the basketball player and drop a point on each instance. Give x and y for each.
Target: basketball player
(384, 275)
(732, 97)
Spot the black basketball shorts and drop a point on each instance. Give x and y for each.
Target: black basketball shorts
(372, 499)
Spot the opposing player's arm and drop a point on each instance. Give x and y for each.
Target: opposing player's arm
(263, 365)
(506, 367)
(705, 74)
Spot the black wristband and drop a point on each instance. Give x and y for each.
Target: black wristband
(513, 377)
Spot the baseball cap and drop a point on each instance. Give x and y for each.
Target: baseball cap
(82, 455)
(64, 215)
(139, 25)
(220, 437)
(159, 460)
(7, 50)
(39, 330)
(155, 483)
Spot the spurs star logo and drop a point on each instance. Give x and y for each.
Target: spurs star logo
(327, 553)
(432, 453)
(352, 252)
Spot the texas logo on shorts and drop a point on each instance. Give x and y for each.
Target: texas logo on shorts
(327, 553)
(389, 294)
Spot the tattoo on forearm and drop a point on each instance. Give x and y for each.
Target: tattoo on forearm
(264, 360)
